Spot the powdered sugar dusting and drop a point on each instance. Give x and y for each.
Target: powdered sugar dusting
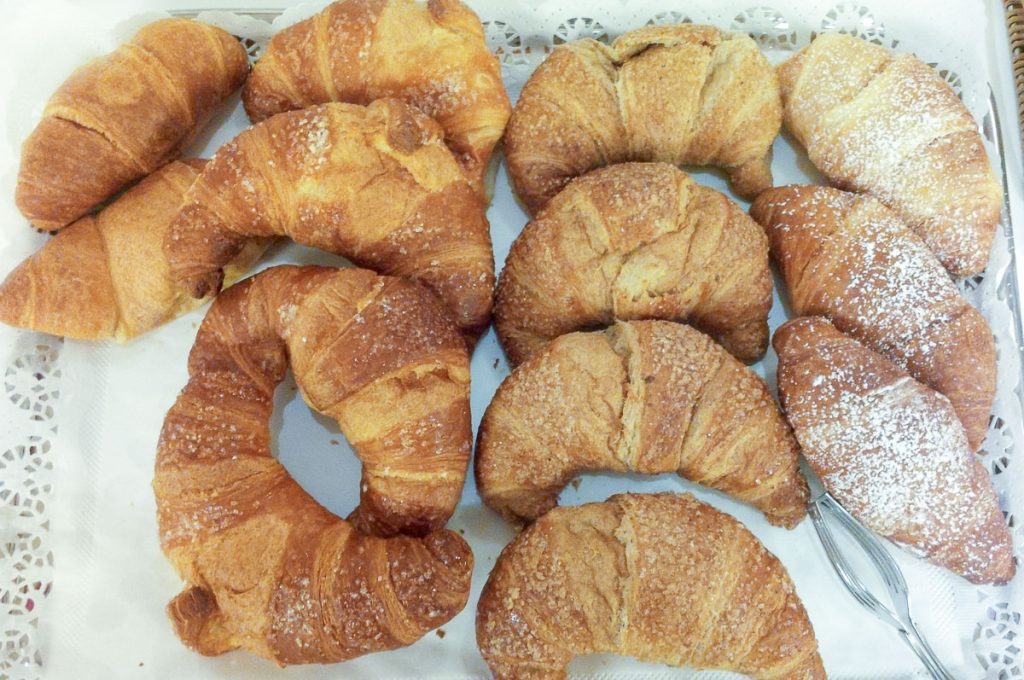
(896, 130)
(893, 453)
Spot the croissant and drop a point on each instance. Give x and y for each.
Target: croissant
(643, 396)
(378, 354)
(105, 275)
(122, 116)
(891, 451)
(660, 577)
(375, 184)
(681, 94)
(849, 258)
(430, 55)
(887, 124)
(268, 569)
(636, 241)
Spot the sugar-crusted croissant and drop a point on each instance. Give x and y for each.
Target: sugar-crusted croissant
(643, 396)
(105, 275)
(431, 55)
(375, 184)
(681, 94)
(887, 124)
(636, 241)
(662, 577)
(849, 258)
(891, 450)
(268, 569)
(378, 354)
(122, 116)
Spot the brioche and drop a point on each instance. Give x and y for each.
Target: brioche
(891, 451)
(636, 241)
(663, 578)
(680, 94)
(122, 116)
(643, 396)
(431, 55)
(375, 184)
(887, 124)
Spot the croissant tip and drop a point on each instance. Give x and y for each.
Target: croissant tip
(204, 286)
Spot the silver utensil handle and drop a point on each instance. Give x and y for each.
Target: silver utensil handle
(895, 584)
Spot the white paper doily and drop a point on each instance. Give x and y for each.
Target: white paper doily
(989, 619)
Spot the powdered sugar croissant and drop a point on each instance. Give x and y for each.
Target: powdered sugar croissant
(891, 451)
(849, 258)
(887, 124)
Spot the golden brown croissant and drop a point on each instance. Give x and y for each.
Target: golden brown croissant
(636, 241)
(122, 116)
(849, 258)
(431, 55)
(889, 125)
(378, 354)
(891, 450)
(643, 396)
(375, 184)
(682, 94)
(268, 569)
(662, 577)
(106, 275)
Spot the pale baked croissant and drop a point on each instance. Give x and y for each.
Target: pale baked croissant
(888, 124)
(122, 116)
(662, 577)
(891, 450)
(431, 55)
(681, 94)
(375, 184)
(643, 396)
(636, 241)
(268, 569)
(849, 258)
(105, 275)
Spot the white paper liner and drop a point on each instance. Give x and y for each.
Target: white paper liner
(92, 513)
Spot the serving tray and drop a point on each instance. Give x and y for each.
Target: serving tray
(82, 583)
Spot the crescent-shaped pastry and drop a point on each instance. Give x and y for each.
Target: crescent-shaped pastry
(887, 124)
(849, 258)
(106, 275)
(122, 116)
(267, 568)
(663, 578)
(636, 241)
(680, 94)
(643, 396)
(891, 451)
(375, 184)
(431, 55)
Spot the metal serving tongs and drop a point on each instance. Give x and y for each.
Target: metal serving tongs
(824, 505)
